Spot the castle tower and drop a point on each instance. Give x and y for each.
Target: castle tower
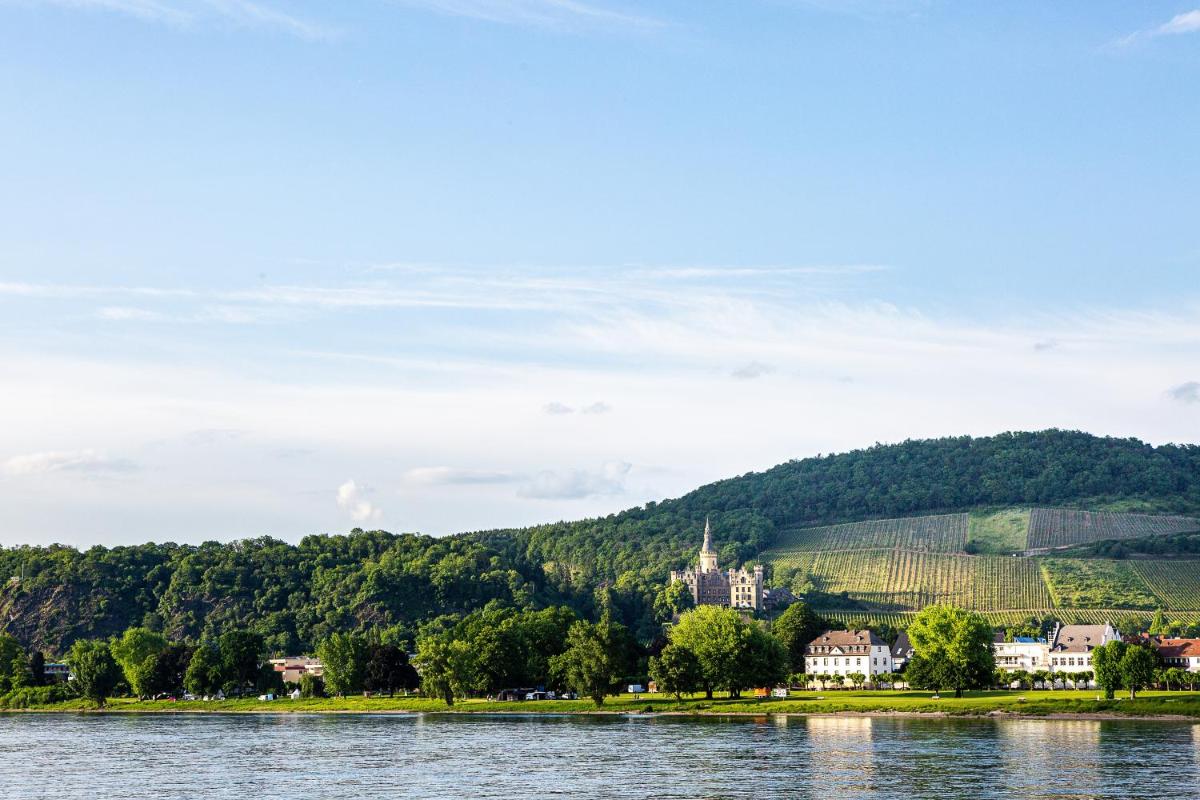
(708, 556)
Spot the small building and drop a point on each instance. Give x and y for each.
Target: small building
(1180, 653)
(1023, 653)
(1071, 646)
(902, 652)
(56, 671)
(293, 667)
(736, 588)
(847, 653)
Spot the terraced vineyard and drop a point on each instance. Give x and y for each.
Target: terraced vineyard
(1060, 527)
(908, 580)
(1176, 583)
(944, 533)
(1070, 616)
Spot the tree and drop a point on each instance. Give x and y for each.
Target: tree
(96, 672)
(1085, 676)
(311, 686)
(1137, 668)
(762, 662)
(857, 679)
(435, 665)
(592, 664)
(387, 669)
(1158, 625)
(136, 652)
(343, 661)
(795, 628)
(10, 663)
(1106, 663)
(672, 600)
(37, 669)
(241, 655)
(953, 648)
(716, 635)
(205, 673)
(676, 670)
(169, 673)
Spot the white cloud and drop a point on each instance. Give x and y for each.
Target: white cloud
(189, 13)
(352, 499)
(1187, 22)
(598, 407)
(556, 409)
(81, 461)
(1185, 392)
(127, 314)
(574, 484)
(558, 14)
(454, 476)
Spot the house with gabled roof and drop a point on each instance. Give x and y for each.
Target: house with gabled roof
(847, 653)
(1071, 646)
(1180, 653)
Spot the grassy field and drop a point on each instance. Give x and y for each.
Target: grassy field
(1000, 532)
(944, 533)
(1092, 583)
(805, 702)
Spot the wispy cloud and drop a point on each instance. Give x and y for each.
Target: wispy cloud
(1187, 22)
(556, 409)
(78, 461)
(189, 13)
(556, 14)
(755, 369)
(598, 407)
(352, 499)
(575, 484)
(1185, 392)
(454, 476)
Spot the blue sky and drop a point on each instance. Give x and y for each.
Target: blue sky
(285, 267)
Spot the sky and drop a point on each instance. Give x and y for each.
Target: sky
(281, 268)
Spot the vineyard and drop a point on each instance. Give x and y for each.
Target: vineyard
(1092, 583)
(1069, 616)
(945, 533)
(909, 580)
(1061, 527)
(1177, 583)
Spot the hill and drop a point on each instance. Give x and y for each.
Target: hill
(296, 594)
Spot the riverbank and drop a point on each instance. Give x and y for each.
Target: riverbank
(1056, 703)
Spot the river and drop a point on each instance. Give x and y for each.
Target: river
(298, 757)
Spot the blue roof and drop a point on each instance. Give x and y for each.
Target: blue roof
(1027, 640)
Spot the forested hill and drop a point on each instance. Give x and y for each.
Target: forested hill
(297, 594)
(1051, 467)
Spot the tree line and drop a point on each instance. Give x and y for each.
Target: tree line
(297, 595)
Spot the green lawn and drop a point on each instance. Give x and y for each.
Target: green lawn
(1002, 532)
(811, 702)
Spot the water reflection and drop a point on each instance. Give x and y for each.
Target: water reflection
(225, 757)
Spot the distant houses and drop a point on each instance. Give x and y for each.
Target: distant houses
(293, 667)
(1071, 646)
(1022, 654)
(1180, 653)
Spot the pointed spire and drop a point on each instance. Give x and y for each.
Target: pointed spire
(707, 546)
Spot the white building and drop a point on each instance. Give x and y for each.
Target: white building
(1181, 653)
(848, 652)
(1071, 646)
(1022, 653)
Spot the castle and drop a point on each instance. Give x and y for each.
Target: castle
(712, 587)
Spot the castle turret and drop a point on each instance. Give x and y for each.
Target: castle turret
(708, 556)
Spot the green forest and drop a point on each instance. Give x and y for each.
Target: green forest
(296, 595)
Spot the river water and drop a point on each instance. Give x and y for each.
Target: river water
(297, 757)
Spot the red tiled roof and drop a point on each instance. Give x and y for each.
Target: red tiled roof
(1179, 648)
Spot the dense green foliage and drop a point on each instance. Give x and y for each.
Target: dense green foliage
(95, 672)
(952, 649)
(295, 596)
